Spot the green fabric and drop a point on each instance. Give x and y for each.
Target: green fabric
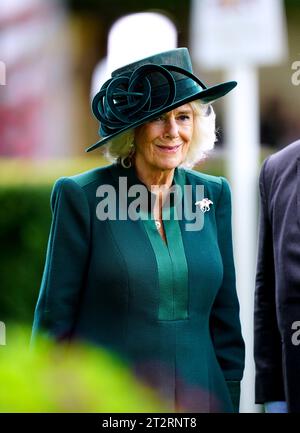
(171, 266)
(234, 388)
(103, 283)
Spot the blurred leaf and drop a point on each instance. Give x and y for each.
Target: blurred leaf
(68, 378)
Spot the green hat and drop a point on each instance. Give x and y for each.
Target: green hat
(143, 90)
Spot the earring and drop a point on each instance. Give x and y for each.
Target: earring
(126, 161)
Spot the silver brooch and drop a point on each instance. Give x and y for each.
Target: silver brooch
(158, 224)
(204, 204)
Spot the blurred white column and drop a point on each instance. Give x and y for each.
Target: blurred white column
(242, 139)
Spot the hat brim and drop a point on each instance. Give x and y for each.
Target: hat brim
(206, 96)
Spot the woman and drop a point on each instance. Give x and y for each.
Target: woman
(148, 272)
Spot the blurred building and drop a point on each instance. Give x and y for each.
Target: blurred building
(34, 99)
(51, 48)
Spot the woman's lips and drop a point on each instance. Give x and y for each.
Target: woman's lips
(169, 149)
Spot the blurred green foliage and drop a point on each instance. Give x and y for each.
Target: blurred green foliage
(25, 219)
(68, 378)
(24, 225)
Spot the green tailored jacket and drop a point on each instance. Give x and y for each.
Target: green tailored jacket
(169, 309)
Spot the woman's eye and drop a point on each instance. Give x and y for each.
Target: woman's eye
(184, 117)
(158, 119)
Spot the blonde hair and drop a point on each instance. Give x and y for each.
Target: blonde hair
(203, 140)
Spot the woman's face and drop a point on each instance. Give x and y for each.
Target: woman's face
(162, 143)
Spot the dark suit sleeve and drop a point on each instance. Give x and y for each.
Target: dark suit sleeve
(267, 341)
(225, 321)
(66, 261)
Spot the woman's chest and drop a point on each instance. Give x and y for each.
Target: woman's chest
(168, 280)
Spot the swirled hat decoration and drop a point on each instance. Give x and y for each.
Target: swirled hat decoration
(143, 90)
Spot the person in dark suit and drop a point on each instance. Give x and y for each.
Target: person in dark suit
(149, 272)
(277, 295)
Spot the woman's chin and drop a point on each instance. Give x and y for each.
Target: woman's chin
(169, 163)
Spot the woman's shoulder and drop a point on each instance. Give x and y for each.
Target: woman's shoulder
(96, 175)
(215, 186)
(199, 177)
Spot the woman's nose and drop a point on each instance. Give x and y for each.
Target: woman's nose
(171, 128)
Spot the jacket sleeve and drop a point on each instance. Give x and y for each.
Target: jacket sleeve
(225, 321)
(66, 261)
(267, 341)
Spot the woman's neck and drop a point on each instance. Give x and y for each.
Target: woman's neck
(154, 176)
